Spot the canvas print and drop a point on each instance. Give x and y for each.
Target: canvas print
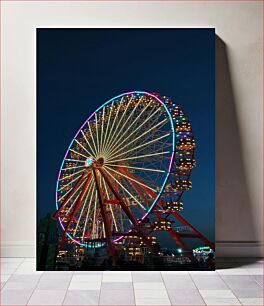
(125, 149)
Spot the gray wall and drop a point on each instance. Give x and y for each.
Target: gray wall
(238, 106)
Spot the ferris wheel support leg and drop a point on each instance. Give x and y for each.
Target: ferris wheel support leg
(61, 243)
(183, 221)
(76, 207)
(69, 196)
(129, 214)
(177, 239)
(196, 232)
(89, 232)
(108, 234)
(172, 233)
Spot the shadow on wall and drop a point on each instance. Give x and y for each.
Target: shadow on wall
(234, 215)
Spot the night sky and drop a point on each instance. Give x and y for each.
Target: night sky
(80, 69)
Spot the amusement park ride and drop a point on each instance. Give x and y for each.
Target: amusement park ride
(124, 174)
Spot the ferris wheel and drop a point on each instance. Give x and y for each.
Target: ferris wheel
(130, 160)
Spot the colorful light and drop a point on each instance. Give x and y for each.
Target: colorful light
(88, 161)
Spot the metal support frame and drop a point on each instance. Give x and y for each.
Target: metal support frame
(106, 221)
(173, 234)
(92, 224)
(69, 195)
(129, 214)
(195, 231)
(76, 207)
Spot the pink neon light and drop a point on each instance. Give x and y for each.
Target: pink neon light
(171, 161)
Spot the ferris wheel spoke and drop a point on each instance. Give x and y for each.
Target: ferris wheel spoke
(107, 127)
(135, 130)
(149, 176)
(88, 212)
(128, 118)
(103, 230)
(70, 193)
(111, 209)
(73, 197)
(136, 209)
(83, 206)
(140, 156)
(140, 146)
(135, 168)
(112, 127)
(149, 146)
(76, 152)
(94, 218)
(124, 175)
(94, 214)
(123, 205)
(70, 168)
(85, 138)
(124, 188)
(141, 194)
(124, 113)
(104, 212)
(83, 147)
(129, 128)
(75, 160)
(88, 142)
(158, 130)
(85, 185)
(102, 130)
(139, 137)
(150, 192)
(97, 132)
(78, 202)
(70, 175)
(107, 207)
(91, 133)
(64, 186)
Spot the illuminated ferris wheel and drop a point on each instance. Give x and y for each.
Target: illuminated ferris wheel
(130, 160)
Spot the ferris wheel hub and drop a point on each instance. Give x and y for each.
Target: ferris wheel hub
(89, 161)
(100, 162)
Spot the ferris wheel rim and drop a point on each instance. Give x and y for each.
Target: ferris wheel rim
(172, 156)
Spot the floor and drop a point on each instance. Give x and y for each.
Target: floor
(236, 282)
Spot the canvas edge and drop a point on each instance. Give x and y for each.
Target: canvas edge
(223, 249)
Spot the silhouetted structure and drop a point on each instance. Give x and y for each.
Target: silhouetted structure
(47, 242)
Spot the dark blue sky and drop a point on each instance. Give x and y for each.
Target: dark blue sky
(80, 69)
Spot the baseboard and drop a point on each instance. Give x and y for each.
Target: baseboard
(239, 249)
(18, 249)
(223, 249)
